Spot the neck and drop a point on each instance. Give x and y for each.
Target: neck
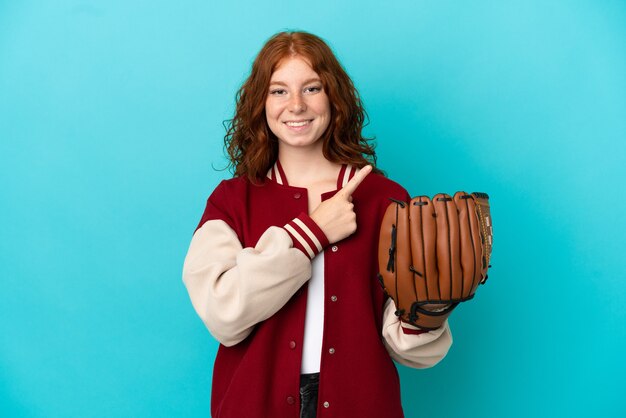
(306, 166)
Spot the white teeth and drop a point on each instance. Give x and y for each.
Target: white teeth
(297, 123)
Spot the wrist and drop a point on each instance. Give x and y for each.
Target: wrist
(306, 235)
(436, 307)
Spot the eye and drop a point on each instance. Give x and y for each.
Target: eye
(277, 92)
(313, 89)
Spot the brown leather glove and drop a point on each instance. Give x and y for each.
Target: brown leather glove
(434, 253)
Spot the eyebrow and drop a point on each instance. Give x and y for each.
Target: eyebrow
(310, 80)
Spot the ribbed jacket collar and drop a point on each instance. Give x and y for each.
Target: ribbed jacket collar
(277, 174)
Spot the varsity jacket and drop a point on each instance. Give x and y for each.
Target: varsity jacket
(246, 273)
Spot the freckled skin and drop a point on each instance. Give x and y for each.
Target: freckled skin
(296, 93)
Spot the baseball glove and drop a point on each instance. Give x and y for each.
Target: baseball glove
(434, 253)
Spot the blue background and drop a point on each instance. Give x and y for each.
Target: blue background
(111, 126)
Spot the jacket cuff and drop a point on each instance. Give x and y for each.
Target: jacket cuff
(306, 235)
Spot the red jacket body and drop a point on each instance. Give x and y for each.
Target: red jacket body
(259, 377)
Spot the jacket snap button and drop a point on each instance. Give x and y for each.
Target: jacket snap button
(331, 350)
(334, 248)
(292, 344)
(297, 195)
(290, 400)
(333, 298)
(326, 404)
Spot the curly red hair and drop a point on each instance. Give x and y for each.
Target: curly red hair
(253, 148)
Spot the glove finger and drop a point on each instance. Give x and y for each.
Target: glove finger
(424, 253)
(448, 247)
(483, 225)
(394, 257)
(405, 284)
(470, 243)
(429, 237)
(387, 249)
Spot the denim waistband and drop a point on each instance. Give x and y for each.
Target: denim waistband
(309, 378)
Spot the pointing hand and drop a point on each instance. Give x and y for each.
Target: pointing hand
(336, 216)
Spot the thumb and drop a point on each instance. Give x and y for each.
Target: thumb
(354, 182)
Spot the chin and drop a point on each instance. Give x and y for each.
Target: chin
(298, 142)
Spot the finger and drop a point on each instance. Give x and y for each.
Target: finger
(448, 246)
(405, 287)
(387, 251)
(469, 241)
(394, 258)
(354, 182)
(423, 245)
(483, 225)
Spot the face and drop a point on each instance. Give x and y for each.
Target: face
(297, 107)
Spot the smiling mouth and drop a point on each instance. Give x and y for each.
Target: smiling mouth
(298, 123)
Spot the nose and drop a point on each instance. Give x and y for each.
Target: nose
(297, 104)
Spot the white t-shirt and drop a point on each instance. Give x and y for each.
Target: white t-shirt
(314, 322)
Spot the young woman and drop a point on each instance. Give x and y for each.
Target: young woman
(282, 268)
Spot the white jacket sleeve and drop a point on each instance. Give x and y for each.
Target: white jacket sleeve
(412, 346)
(232, 288)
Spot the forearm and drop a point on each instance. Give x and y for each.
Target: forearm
(412, 346)
(233, 288)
